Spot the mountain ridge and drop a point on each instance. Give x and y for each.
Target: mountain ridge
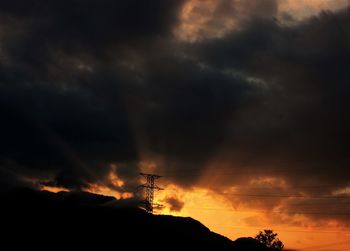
(84, 220)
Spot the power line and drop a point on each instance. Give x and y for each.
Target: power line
(278, 229)
(267, 211)
(276, 195)
(327, 245)
(287, 195)
(228, 170)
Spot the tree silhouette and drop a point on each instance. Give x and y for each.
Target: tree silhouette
(269, 239)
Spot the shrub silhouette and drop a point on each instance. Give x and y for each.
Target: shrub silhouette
(269, 239)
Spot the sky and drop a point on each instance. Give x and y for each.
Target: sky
(241, 105)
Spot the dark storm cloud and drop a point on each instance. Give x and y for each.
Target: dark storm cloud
(62, 114)
(327, 208)
(92, 21)
(297, 129)
(299, 126)
(84, 84)
(192, 109)
(45, 129)
(174, 203)
(41, 37)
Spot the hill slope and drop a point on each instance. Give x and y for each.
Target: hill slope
(81, 220)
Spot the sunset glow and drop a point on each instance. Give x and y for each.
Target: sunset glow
(234, 113)
(219, 214)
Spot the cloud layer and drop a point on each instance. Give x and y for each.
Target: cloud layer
(86, 86)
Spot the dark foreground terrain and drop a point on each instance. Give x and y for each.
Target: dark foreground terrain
(40, 220)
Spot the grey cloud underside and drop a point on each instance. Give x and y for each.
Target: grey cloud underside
(174, 203)
(60, 118)
(72, 104)
(302, 117)
(84, 84)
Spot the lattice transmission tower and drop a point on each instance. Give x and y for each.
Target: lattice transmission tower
(149, 187)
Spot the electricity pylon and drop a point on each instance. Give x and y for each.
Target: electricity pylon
(149, 187)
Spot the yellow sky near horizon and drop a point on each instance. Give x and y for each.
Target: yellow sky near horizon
(218, 214)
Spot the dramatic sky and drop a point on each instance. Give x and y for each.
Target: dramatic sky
(242, 105)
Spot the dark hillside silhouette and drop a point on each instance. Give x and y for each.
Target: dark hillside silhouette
(77, 221)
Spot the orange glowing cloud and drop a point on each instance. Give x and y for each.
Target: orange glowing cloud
(300, 9)
(202, 19)
(104, 190)
(53, 189)
(112, 186)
